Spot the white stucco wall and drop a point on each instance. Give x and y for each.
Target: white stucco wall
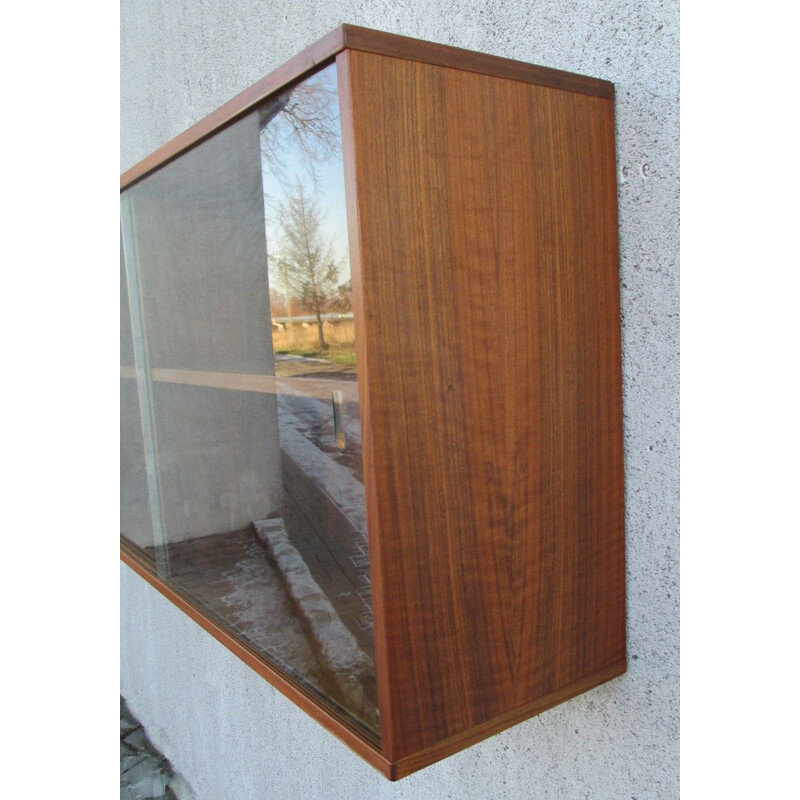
(223, 727)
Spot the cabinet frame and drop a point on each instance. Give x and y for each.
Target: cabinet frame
(395, 756)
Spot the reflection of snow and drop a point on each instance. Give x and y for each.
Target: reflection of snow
(302, 423)
(255, 606)
(232, 577)
(338, 649)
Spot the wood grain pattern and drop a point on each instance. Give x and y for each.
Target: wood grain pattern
(481, 199)
(423, 758)
(488, 271)
(389, 44)
(358, 38)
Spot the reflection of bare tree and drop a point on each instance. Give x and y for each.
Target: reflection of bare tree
(304, 119)
(306, 264)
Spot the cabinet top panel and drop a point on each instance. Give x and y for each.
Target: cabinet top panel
(353, 37)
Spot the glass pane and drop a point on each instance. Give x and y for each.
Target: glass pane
(246, 373)
(135, 514)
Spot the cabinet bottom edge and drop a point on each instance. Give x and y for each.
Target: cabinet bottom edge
(370, 752)
(402, 767)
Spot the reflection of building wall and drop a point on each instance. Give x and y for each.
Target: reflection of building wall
(135, 520)
(217, 459)
(201, 257)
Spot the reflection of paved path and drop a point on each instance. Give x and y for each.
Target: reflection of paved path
(334, 551)
(324, 515)
(338, 649)
(324, 507)
(304, 423)
(230, 576)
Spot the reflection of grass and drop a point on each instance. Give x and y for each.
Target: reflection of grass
(299, 341)
(343, 356)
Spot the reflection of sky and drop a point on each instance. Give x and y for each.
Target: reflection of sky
(326, 182)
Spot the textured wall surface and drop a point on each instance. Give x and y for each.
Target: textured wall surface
(223, 727)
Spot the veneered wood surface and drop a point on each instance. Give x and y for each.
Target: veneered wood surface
(446, 747)
(365, 39)
(389, 44)
(489, 353)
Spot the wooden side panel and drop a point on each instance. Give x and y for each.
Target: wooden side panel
(490, 352)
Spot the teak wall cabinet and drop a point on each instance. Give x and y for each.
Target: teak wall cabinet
(371, 387)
